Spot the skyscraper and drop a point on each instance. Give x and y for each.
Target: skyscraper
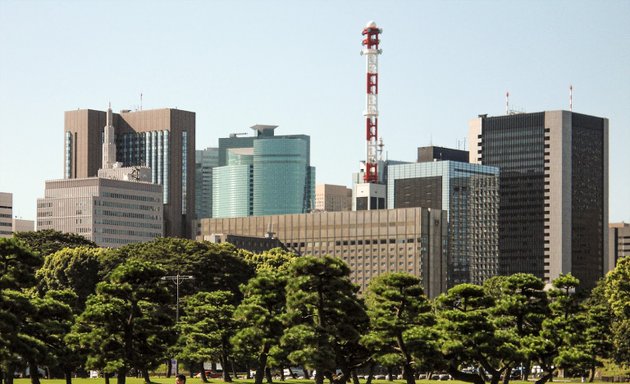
(205, 162)
(263, 175)
(468, 194)
(553, 213)
(161, 139)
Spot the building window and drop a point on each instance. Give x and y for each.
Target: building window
(184, 169)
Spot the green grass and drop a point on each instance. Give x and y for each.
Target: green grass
(163, 380)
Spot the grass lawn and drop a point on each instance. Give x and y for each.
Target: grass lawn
(163, 380)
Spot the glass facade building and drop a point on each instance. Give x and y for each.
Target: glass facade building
(263, 175)
(205, 162)
(468, 193)
(161, 139)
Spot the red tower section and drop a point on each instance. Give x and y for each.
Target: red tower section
(371, 51)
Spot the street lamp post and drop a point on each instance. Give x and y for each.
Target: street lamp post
(178, 280)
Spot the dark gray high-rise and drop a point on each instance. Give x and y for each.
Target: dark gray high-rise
(553, 210)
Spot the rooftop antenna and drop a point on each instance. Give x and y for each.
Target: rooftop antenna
(507, 103)
(571, 98)
(380, 148)
(141, 101)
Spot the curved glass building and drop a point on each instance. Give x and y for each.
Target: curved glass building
(263, 175)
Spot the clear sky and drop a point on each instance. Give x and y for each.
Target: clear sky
(297, 64)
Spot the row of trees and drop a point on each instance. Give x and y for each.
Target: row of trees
(67, 305)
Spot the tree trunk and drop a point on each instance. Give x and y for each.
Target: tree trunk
(234, 375)
(268, 375)
(592, 376)
(34, 372)
(544, 378)
(262, 365)
(106, 375)
(408, 374)
(307, 374)
(8, 376)
(370, 373)
(355, 377)
(122, 376)
(203, 373)
(145, 376)
(390, 373)
(169, 368)
(68, 375)
(506, 376)
(319, 376)
(467, 377)
(281, 374)
(224, 365)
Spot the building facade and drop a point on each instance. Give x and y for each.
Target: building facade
(162, 140)
(109, 212)
(618, 243)
(432, 153)
(20, 225)
(332, 198)
(263, 175)
(372, 243)
(468, 194)
(553, 214)
(205, 162)
(6, 214)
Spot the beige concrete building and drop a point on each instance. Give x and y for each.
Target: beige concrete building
(412, 240)
(618, 243)
(109, 212)
(332, 198)
(162, 140)
(20, 225)
(6, 214)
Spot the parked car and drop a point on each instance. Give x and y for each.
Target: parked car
(211, 374)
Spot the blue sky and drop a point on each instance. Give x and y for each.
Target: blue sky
(297, 64)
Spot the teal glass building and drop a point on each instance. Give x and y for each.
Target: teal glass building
(263, 175)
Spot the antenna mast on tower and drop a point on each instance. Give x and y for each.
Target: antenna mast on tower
(571, 98)
(371, 51)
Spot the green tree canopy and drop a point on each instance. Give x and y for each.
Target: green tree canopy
(124, 324)
(324, 317)
(206, 328)
(617, 292)
(49, 241)
(400, 320)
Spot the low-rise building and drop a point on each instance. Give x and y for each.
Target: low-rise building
(618, 243)
(109, 212)
(412, 240)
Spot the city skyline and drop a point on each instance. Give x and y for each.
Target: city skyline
(298, 66)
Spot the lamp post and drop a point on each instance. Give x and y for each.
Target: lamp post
(178, 280)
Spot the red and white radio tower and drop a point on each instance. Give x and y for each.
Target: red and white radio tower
(371, 51)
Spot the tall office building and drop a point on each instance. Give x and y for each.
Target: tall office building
(468, 194)
(162, 140)
(553, 213)
(6, 214)
(263, 175)
(618, 243)
(330, 198)
(205, 162)
(371, 242)
(109, 212)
